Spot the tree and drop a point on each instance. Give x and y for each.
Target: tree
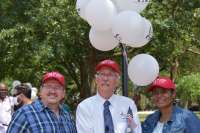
(43, 35)
(188, 89)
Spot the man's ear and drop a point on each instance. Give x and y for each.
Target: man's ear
(64, 93)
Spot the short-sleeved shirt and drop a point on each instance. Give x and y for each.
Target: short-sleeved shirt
(36, 118)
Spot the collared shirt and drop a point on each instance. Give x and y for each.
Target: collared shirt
(181, 121)
(89, 114)
(36, 118)
(6, 110)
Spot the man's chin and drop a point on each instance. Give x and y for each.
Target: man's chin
(53, 101)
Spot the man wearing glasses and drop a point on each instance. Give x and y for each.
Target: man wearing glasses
(106, 112)
(45, 115)
(168, 118)
(23, 94)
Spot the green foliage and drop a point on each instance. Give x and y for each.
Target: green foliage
(188, 87)
(43, 35)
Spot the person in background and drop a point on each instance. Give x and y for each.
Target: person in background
(34, 93)
(106, 112)
(14, 84)
(168, 118)
(6, 107)
(46, 114)
(23, 93)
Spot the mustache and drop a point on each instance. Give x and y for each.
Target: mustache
(105, 84)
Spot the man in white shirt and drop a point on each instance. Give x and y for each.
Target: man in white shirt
(6, 107)
(106, 112)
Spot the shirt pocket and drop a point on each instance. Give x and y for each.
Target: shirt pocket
(121, 125)
(177, 128)
(147, 128)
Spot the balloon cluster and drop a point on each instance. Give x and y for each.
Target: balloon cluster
(118, 21)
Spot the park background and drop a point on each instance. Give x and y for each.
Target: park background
(37, 36)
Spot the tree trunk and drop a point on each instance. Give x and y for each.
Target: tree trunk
(174, 69)
(87, 71)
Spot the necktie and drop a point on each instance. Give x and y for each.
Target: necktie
(108, 122)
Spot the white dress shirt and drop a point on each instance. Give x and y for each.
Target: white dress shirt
(6, 108)
(89, 114)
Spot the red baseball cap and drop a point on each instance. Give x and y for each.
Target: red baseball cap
(108, 63)
(54, 75)
(162, 82)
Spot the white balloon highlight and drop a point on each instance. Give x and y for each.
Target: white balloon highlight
(134, 5)
(100, 14)
(80, 7)
(147, 35)
(143, 69)
(102, 40)
(128, 27)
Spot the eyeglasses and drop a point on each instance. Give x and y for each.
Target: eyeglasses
(55, 88)
(108, 75)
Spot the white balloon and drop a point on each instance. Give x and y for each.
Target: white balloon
(148, 34)
(143, 69)
(128, 27)
(102, 40)
(148, 30)
(80, 7)
(100, 14)
(134, 5)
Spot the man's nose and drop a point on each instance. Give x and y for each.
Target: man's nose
(52, 90)
(105, 77)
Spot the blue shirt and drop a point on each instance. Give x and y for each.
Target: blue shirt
(182, 121)
(36, 118)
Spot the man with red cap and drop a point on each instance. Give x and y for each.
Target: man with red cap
(168, 118)
(45, 115)
(106, 112)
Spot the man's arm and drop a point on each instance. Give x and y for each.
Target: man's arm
(19, 123)
(138, 128)
(83, 120)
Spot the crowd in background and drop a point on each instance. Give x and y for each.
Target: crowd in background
(21, 94)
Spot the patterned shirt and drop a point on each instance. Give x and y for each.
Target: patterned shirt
(36, 118)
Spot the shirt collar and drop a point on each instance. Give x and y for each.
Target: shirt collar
(173, 115)
(102, 100)
(172, 118)
(41, 107)
(2, 100)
